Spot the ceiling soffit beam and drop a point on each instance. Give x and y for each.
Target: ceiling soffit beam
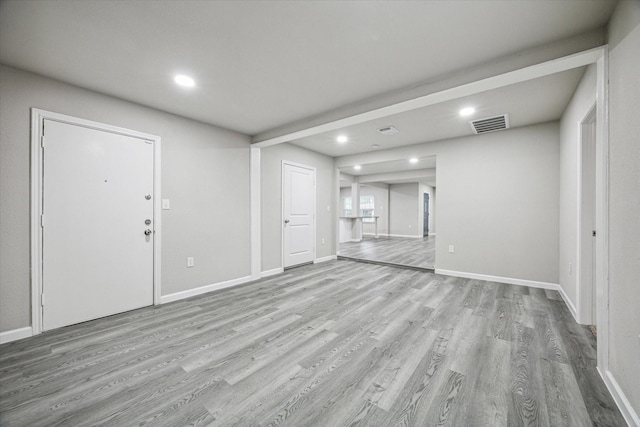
(401, 175)
(517, 76)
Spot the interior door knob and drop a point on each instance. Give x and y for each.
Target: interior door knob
(147, 232)
(286, 221)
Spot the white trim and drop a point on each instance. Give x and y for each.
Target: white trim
(508, 280)
(567, 300)
(584, 297)
(37, 122)
(524, 74)
(411, 236)
(432, 234)
(630, 416)
(205, 289)
(256, 214)
(602, 210)
(315, 212)
(272, 272)
(15, 334)
(325, 259)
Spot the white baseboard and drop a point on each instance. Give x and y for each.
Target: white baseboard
(508, 280)
(373, 234)
(432, 234)
(411, 236)
(204, 289)
(15, 334)
(325, 259)
(567, 300)
(272, 272)
(629, 414)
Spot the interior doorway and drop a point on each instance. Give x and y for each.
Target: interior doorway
(425, 227)
(587, 228)
(298, 210)
(95, 220)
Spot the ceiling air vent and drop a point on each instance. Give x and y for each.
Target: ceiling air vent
(490, 124)
(389, 130)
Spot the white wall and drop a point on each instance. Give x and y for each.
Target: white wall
(624, 199)
(271, 194)
(205, 174)
(497, 200)
(581, 103)
(404, 210)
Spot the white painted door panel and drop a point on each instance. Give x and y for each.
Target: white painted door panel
(97, 261)
(299, 214)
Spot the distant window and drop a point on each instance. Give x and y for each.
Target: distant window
(367, 204)
(346, 205)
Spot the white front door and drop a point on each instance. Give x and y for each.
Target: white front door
(299, 195)
(97, 206)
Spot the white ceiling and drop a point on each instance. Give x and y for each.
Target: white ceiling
(534, 101)
(263, 64)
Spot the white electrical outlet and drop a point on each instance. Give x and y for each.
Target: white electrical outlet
(451, 249)
(190, 262)
(323, 240)
(328, 208)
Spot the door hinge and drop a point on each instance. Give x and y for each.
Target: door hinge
(42, 141)
(42, 299)
(42, 220)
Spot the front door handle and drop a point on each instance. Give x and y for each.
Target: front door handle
(147, 232)
(286, 221)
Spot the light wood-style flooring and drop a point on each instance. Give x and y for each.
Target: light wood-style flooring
(332, 344)
(404, 251)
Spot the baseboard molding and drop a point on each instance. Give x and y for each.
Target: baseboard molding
(508, 280)
(325, 259)
(629, 414)
(16, 334)
(373, 234)
(569, 303)
(432, 234)
(410, 236)
(203, 289)
(272, 272)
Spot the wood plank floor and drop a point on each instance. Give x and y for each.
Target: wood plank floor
(406, 251)
(332, 344)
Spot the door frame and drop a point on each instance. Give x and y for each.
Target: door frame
(315, 194)
(586, 288)
(38, 117)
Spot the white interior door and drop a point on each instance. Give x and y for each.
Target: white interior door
(299, 195)
(97, 259)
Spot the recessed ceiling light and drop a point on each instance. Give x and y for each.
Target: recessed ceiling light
(375, 146)
(357, 167)
(467, 111)
(413, 160)
(342, 139)
(185, 81)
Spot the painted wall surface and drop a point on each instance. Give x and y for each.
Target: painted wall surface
(497, 200)
(404, 209)
(624, 199)
(271, 193)
(209, 217)
(581, 103)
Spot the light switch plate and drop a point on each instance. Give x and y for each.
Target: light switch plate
(166, 204)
